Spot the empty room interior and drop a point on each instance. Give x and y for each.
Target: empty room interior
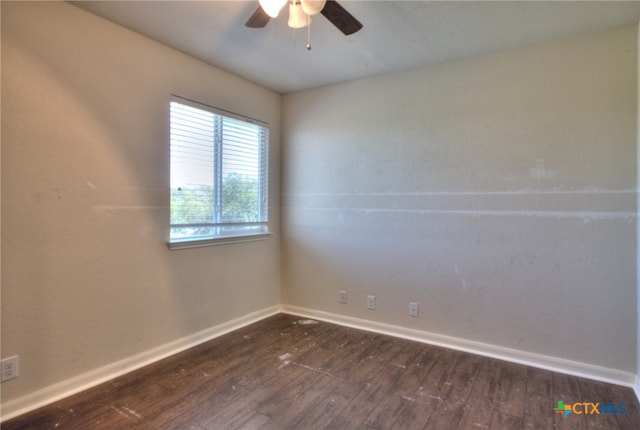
(457, 181)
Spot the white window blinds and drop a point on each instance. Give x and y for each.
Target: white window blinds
(219, 177)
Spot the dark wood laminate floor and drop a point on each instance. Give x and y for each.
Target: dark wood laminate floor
(286, 372)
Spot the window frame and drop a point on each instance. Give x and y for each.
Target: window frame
(262, 230)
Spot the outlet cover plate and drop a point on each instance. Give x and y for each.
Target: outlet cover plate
(343, 296)
(413, 309)
(371, 302)
(10, 368)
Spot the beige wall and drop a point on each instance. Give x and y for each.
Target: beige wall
(497, 192)
(87, 278)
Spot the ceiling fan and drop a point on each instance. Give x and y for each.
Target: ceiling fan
(301, 10)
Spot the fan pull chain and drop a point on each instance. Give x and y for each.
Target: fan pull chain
(308, 33)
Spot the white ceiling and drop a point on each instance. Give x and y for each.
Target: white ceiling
(396, 34)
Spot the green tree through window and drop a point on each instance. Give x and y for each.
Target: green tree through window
(219, 180)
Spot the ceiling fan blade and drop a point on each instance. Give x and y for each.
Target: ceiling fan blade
(338, 16)
(258, 20)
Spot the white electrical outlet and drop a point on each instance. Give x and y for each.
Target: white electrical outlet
(413, 309)
(10, 368)
(343, 296)
(371, 302)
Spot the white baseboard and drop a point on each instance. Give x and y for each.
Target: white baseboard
(555, 364)
(90, 379)
(74, 385)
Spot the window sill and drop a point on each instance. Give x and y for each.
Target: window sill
(226, 240)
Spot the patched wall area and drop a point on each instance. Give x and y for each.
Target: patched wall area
(498, 192)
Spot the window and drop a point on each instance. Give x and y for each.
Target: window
(219, 178)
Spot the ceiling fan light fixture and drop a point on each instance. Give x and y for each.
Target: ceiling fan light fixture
(297, 17)
(313, 7)
(272, 7)
(330, 9)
